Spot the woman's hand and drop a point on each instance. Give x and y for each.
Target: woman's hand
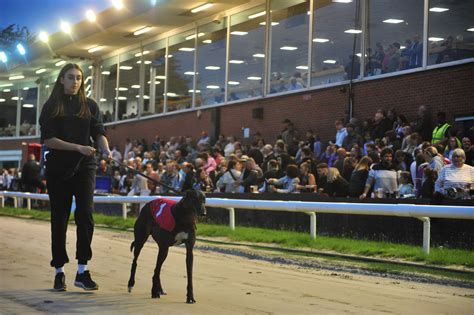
(86, 150)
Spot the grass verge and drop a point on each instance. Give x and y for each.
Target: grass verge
(294, 240)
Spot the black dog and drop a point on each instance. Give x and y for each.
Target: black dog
(169, 223)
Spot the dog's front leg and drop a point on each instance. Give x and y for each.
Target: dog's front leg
(157, 289)
(189, 269)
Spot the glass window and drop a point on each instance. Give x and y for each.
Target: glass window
(88, 79)
(29, 107)
(247, 54)
(107, 101)
(451, 30)
(394, 39)
(180, 71)
(129, 85)
(289, 49)
(8, 108)
(210, 80)
(334, 29)
(154, 59)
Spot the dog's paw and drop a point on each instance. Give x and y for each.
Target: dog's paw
(190, 300)
(155, 295)
(130, 289)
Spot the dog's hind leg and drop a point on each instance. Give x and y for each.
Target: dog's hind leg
(157, 289)
(142, 230)
(189, 270)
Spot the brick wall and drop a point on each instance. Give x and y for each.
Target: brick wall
(446, 89)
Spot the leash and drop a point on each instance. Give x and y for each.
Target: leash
(146, 176)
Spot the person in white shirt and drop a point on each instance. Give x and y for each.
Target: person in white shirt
(456, 176)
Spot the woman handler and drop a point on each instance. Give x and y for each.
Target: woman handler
(68, 122)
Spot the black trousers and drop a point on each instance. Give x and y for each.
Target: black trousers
(81, 185)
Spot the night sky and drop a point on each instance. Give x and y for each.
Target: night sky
(39, 15)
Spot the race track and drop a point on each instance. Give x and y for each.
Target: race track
(222, 284)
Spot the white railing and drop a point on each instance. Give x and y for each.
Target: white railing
(421, 212)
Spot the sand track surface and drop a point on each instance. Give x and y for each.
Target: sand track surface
(223, 284)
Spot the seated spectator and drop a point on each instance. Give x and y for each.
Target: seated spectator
(322, 170)
(189, 177)
(428, 184)
(203, 181)
(455, 180)
(341, 156)
(382, 175)
(104, 169)
(381, 125)
(273, 170)
(453, 143)
(348, 167)
(251, 175)
(391, 141)
(287, 183)
(336, 185)
(435, 160)
(228, 182)
(359, 177)
(410, 142)
(170, 177)
(405, 188)
(329, 156)
(468, 150)
(307, 180)
(402, 161)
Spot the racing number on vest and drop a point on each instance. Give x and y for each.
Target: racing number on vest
(162, 206)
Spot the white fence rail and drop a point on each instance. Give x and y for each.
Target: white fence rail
(421, 212)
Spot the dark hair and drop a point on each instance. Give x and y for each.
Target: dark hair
(322, 165)
(386, 151)
(57, 95)
(292, 171)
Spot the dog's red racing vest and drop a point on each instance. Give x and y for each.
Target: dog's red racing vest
(161, 211)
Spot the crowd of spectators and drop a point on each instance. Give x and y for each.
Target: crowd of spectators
(387, 156)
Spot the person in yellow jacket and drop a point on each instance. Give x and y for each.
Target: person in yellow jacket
(442, 131)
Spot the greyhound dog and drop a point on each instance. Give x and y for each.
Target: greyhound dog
(169, 223)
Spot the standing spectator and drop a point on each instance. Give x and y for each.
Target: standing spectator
(422, 125)
(382, 175)
(322, 170)
(30, 175)
(290, 137)
(329, 156)
(170, 177)
(268, 155)
(229, 147)
(442, 131)
(156, 145)
(127, 149)
(116, 155)
(359, 177)
(352, 138)
(348, 167)
(341, 132)
(381, 125)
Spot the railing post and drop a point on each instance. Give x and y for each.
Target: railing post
(426, 234)
(15, 202)
(3, 201)
(231, 218)
(312, 224)
(28, 203)
(124, 210)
